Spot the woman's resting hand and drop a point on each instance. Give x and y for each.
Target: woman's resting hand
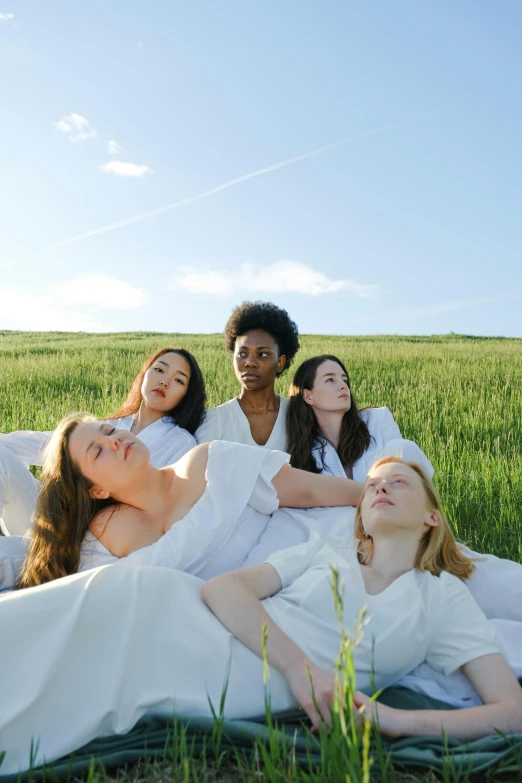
(314, 690)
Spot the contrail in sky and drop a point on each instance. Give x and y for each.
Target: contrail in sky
(207, 193)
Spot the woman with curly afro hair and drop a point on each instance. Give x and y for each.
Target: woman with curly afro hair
(263, 340)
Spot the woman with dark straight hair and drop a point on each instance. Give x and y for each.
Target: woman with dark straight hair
(188, 404)
(326, 432)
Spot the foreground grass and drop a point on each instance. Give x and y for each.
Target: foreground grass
(460, 398)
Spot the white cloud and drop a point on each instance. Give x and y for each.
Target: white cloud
(6, 17)
(122, 169)
(78, 128)
(69, 305)
(23, 309)
(99, 291)
(114, 147)
(280, 277)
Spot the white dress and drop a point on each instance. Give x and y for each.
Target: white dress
(19, 488)
(118, 642)
(228, 422)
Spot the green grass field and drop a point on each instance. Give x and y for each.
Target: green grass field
(459, 398)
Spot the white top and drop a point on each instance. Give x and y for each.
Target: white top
(165, 440)
(386, 441)
(222, 527)
(228, 422)
(418, 617)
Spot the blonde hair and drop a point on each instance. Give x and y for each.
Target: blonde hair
(64, 511)
(438, 550)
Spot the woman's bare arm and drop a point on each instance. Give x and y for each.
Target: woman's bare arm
(235, 599)
(301, 489)
(496, 685)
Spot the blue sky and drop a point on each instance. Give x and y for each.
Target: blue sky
(111, 112)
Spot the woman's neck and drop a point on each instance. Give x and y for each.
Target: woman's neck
(149, 492)
(393, 555)
(330, 425)
(145, 417)
(259, 401)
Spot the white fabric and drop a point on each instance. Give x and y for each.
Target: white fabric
(417, 617)
(100, 649)
(496, 586)
(223, 526)
(386, 441)
(118, 642)
(228, 422)
(18, 494)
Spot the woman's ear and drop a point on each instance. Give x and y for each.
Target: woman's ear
(432, 519)
(97, 493)
(307, 396)
(280, 366)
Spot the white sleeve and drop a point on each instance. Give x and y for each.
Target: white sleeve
(209, 429)
(387, 424)
(394, 445)
(461, 631)
(409, 452)
(285, 530)
(27, 445)
(291, 563)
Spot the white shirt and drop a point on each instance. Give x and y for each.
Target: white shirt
(386, 441)
(165, 440)
(228, 422)
(418, 617)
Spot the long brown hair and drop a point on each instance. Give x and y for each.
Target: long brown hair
(302, 428)
(438, 550)
(188, 413)
(64, 511)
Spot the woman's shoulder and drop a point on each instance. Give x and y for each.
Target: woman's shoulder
(122, 529)
(444, 592)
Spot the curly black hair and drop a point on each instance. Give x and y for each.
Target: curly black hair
(270, 318)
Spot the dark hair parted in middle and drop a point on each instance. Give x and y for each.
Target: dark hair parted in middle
(302, 428)
(268, 317)
(188, 413)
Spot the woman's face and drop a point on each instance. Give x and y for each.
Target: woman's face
(330, 392)
(257, 360)
(395, 498)
(166, 382)
(110, 458)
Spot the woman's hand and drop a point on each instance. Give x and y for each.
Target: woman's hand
(314, 690)
(389, 720)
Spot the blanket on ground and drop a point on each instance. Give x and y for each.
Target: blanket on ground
(151, 738)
